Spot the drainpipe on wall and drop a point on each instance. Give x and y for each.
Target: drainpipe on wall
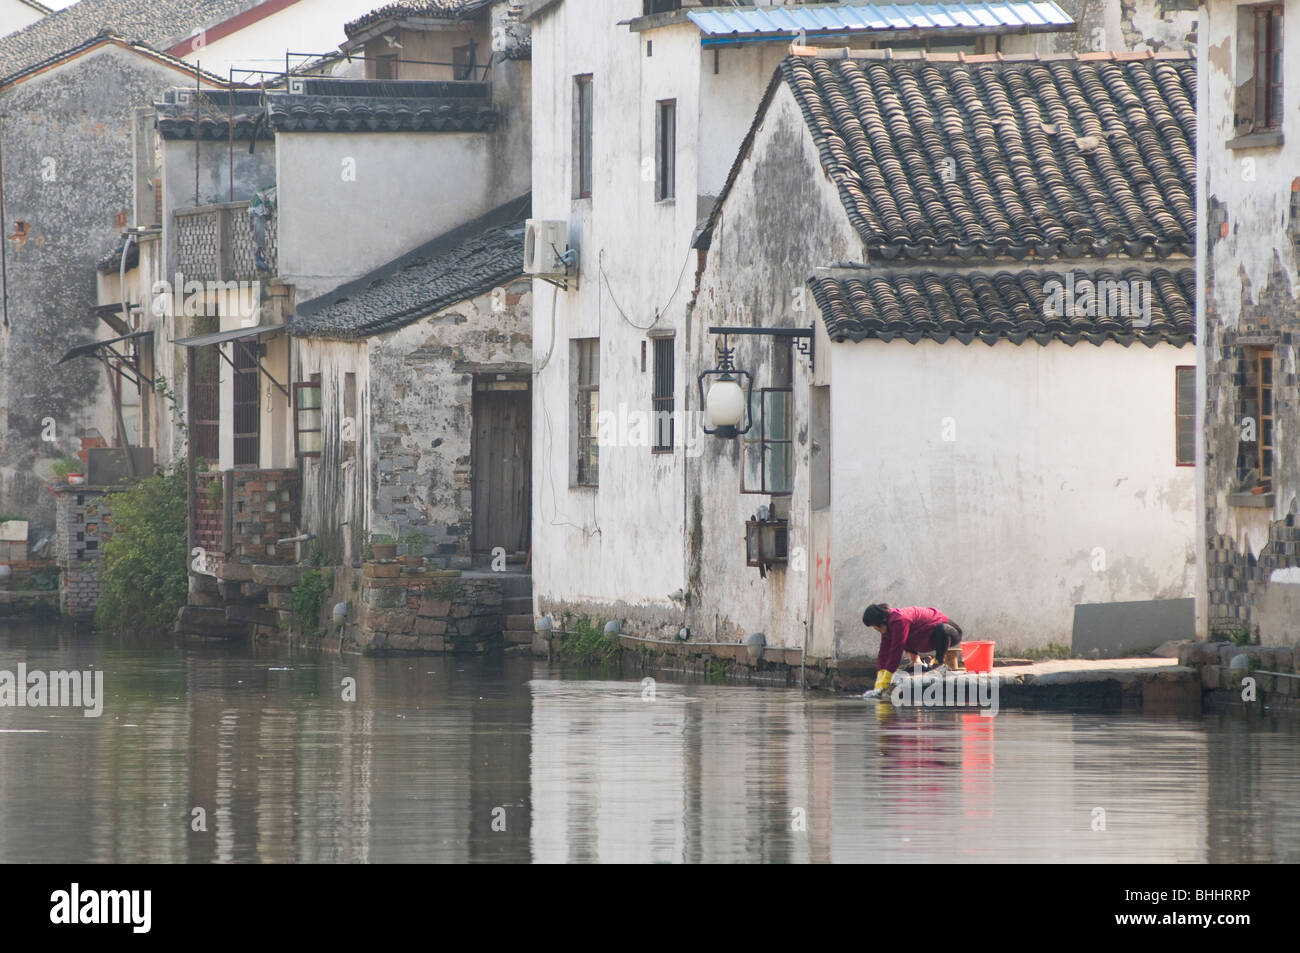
(4, 249)
(1202, 353)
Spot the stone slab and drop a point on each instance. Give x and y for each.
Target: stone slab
(1119, 629)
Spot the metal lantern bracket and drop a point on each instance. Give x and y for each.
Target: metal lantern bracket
(805, 340)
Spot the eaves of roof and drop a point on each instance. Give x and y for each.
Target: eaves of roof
(1138, 303)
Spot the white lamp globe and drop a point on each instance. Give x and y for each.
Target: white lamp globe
(725, 403)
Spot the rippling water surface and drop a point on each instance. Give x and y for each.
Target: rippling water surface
(440, 759)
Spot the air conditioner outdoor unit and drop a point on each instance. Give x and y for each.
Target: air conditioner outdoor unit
(546, 250)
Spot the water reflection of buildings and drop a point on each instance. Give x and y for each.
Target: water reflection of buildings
(709, 775)
(412, 771)
(696, 775)
(435, 755)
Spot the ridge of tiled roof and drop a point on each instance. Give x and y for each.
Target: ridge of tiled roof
(301, 113)
(108, 36)
(467, 261)
(942, 304)
(152, 23)
(433, 9)
(955, 156)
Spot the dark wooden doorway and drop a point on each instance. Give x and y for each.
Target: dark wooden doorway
(502, 466)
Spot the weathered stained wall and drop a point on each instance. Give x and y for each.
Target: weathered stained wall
(1253, 225)
(68, 193)
(415, 395)
(780, 221)
(1156, 25)
(213, 185)
(335, 501)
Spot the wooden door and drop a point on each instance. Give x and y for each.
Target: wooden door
(501, 470)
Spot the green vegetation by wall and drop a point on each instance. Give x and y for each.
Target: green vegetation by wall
(144, 579)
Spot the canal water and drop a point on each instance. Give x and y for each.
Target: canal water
(208, 753)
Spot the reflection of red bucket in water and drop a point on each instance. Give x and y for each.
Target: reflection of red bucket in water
(977, 656)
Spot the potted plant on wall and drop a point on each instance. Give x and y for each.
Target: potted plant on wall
(383, 546)
(414, 545)
(68, 470)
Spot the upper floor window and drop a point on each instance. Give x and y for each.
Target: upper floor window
(659, 6)
(582, 136)
(1268, 67)
(665, 149)
(1259, 68)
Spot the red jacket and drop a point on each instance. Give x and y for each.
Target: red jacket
(909, 629)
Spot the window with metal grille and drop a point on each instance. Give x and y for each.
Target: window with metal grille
(659, 6)
(587, 398)
(769, 447)
(247, 409)
(1268, 66)
(1185, 415)
(205, 393)
(665, 149)
(582, 136)
(663, 403)
(1264, 376)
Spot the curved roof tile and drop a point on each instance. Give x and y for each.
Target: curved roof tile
(1016, 306)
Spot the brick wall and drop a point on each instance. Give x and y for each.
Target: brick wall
(81, 527)
(264, 508)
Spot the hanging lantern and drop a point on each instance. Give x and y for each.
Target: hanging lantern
(726, 400)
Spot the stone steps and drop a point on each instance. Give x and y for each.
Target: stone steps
(208, 621)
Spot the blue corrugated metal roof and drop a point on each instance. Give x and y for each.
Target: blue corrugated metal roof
(719, 23)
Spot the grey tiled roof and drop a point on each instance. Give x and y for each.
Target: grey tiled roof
(302, 113)
(987, 157)
(159, 24)
(465, 262)
(208, 115)
(1003, 305)
(112, 262)
(434, 9)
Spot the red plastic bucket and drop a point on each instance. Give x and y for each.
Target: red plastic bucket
(977, 656)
